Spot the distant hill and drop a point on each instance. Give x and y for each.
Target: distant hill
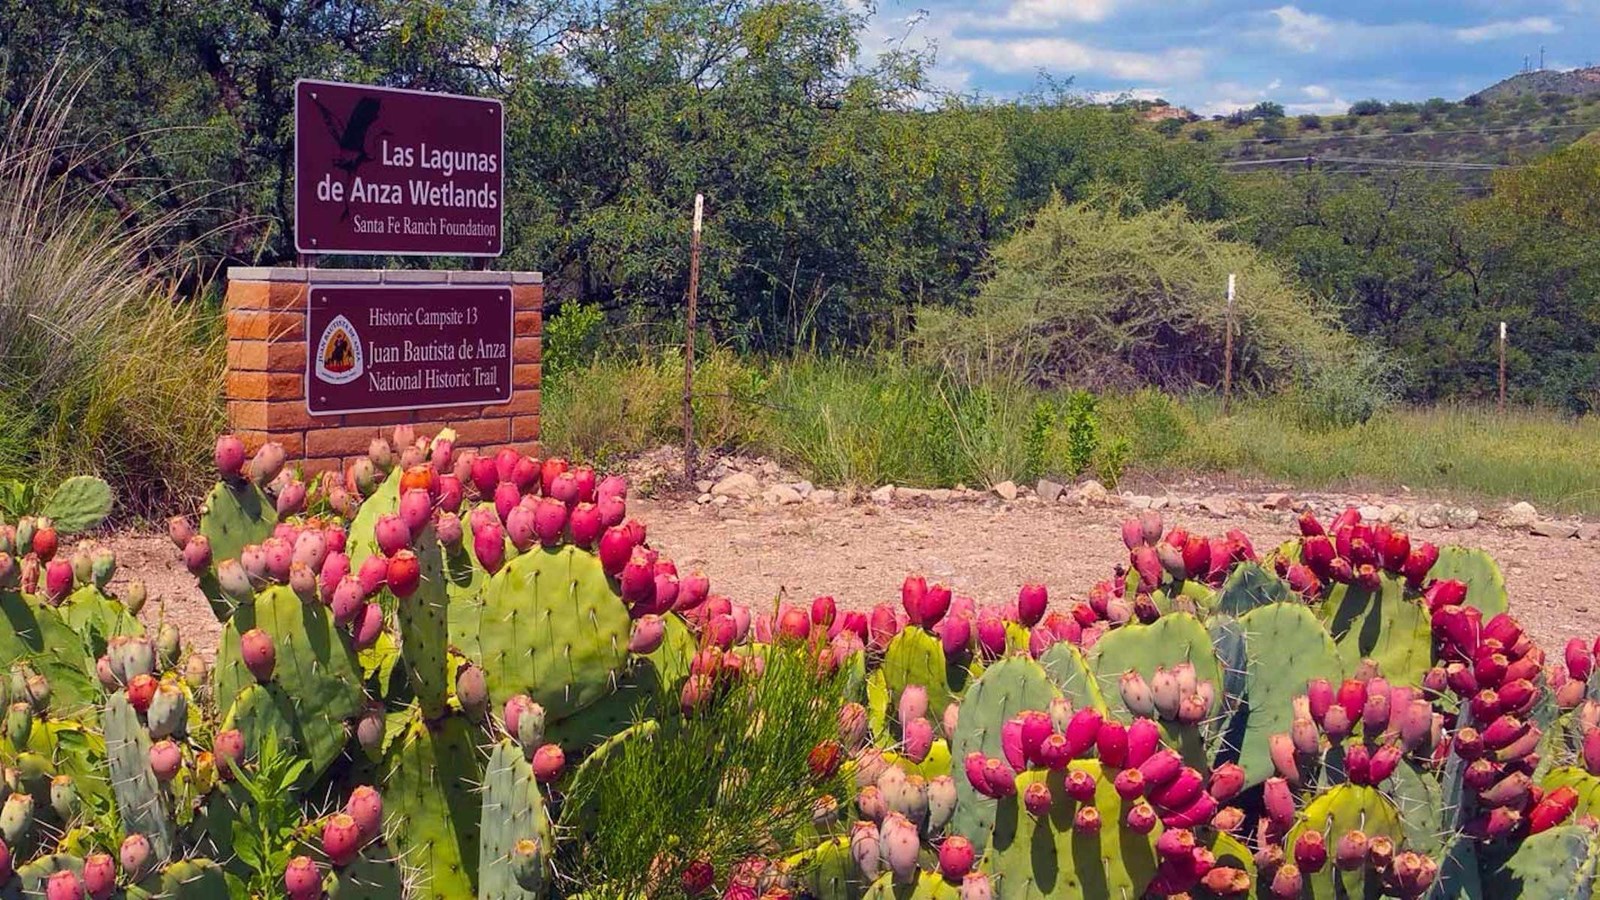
(1574, 83)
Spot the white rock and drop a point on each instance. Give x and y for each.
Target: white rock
(720, 501)
(1161, 502)
(822, 495)
(1092, 492)
(782, 495)
(1519, 516)
(941, 495)
(704, 485)
(1137, 501)
(1006, 490)
(1555, 529)
(1371, 513)
(703, 499)
(804, 488)
(1432, 516)
(740, 485)
(1217, 505)
(1049, 491)
(1461, 517)
(1276, 501)
(883, 494)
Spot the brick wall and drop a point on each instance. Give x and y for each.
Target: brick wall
(266, 390)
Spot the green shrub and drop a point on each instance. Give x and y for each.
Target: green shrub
(570, 337)
(1343, 396)
(1082, 431)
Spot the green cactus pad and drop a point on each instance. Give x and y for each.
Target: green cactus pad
(551, 626)
(140, 801)
(32, 876)
(235, 516)
(1167, 641)
(1231, 645)
(1069, 672)
(1385, 625)
(1486, 586)
(1416, 793)
(431, 805)
(73, 750)
(261, 710)
(79, 504)
(189, 879)
(1006, 688)
(513, 810)
(35, 634)
(928, 886)
(366, 879)
(914, 656)
(1335, 812)
(1555, 865)
(424, 619)
(829, 872)
(1033, 859)
(362, 539)
(1287, 648)
(936, 763)
(97, 618)
(316, 669)
(1249, 586)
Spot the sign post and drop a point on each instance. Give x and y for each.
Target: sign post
(688, 342)
(1502, 368)
(1227, 352)
(383, 171)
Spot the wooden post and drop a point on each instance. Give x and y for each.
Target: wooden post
(688, 342)
(1502, 368)
(1227, 353)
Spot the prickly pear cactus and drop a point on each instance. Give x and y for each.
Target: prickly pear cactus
(1335, 813)
(1167, 641)
(1046, 857)
(829, 872)
(97, 618)
(1553, 865)
(550, 626)
(37, 635)
(1249, 586)
(424, 620)
(1070, 673)
(1587, 787)
(78, 504)
(1006, 688)
(1287, 646)
(1486, 586)
(235, 515)
(432, 807)
(513, 810)
(366, 879)
(1385, 626)
(316, 669)
(928, 886)
(187, 879)
(914, 656)
(141, 803)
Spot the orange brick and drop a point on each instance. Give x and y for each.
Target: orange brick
(523, 403)
(286, 386)
(287, 326)
(525, 428)
(482, 432)
(293, 442)
(247, 386)
(527, 296)
(528, 324)
(310, 468)
(449, 414)
(247, 295)
(247, 356)
(379, 419)
(292, 414)
(524, 376)
(248, 324)
(250, 415)
(525, 350)
(339, 441)
(286, 295)
(286, 357)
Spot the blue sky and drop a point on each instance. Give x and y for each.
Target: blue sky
(1215, 56)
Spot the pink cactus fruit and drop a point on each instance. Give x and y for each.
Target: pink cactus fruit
(548, 763)
(365, 806)
(1036, 799)
(259, 654)
(918, 739)
(956, 858)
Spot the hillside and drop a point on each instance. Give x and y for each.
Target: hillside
(1464, 139)
(1573, 83)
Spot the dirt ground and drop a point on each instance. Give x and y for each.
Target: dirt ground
(860, 553)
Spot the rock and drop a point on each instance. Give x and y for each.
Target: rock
(1160, 502)
(1006, 490)
(1519, 516)
(1137, 501)
(1049, 491)
(720, 501)
(822, 495)
(1552, 528)
(1432, 516)
(1217, 506)
(703, 499)
(1091, 492)
(1370, 513)
(1395, 513)
(804, 488)
(704, 485)
(1461, 517)
(941, 495)
(739, 485)
(883, 494)
(782, 495)
(1277, 501)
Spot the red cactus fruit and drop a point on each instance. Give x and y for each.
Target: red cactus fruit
(259, 653)
(341, 839)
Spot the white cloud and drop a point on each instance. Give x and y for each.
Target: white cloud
(1067, 57)
(1500, 30)
(1145, 94)
(1047, 13)
(1301, 30)
(1316, 92)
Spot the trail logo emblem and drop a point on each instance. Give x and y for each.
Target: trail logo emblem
(339, 359)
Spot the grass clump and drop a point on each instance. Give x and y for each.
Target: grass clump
(103, 369)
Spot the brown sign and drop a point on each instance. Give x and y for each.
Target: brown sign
(387, 347)
(388, 171)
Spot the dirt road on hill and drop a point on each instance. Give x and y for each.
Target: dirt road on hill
(859, 553)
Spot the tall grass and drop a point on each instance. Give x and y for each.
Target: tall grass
(103, 368)
(882, 420)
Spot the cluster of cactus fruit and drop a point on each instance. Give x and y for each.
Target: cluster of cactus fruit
(444, 642)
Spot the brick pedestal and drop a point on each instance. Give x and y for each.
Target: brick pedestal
(266, 389)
